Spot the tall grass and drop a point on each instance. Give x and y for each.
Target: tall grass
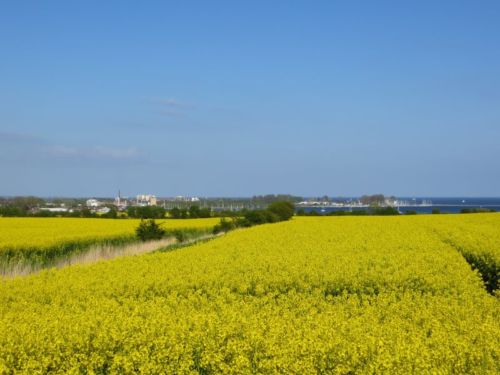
(26, 260)
(34, 257)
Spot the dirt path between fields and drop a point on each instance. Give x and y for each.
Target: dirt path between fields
(99, 252)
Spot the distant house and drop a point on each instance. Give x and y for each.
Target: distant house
(181, 198)
(120, 203)
(93, 203)
(55, 209)
(146, 200)
(103, 210)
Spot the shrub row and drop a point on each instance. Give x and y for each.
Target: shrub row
(275, 212)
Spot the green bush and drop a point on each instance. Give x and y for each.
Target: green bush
(149, 230)
(283, 210)
(476, 210)
(146, 212)
(257, 217)
(410, 212)
(385, 211)
(224, 226)
(180, 235)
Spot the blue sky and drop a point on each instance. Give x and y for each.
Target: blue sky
(241, 98)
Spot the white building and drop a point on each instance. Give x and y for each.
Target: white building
(182, 198)
(103, 210)
(120, 202)
(93, 203)
(146, 200)
(55, 209)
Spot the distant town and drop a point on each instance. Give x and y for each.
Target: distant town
(121, 203)
(185, 206)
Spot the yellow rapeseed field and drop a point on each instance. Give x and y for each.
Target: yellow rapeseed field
(477, 238)
(341, 295)
(46, 232)
(41, 241)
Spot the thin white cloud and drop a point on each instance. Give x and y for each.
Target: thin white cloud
(117, 153)
(171, 102)
(9, 137)
(61, 151)
(92, 153)
(173, 107)
(28, 147)
(172, 113)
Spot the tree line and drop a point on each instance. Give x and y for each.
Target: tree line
(149, 229)
(275, 212)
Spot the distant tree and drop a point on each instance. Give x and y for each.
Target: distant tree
(436, 211)
(175, 213)
(227, 213)
(182, 213)
(270, 198)
(180, 235)
(12, 211)
(112, 214)
(44, 213)
(146, 212)
(271, 217)
(256, 217)
(385, 211)
(476, 210)
(205, 212)
(373, 200)
(224, 226)
(86, 213)
(359, 213)
(284, 210)
(149, 230)
(26, 203)
(194, 212)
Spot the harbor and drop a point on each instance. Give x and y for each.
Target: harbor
(418, 205)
